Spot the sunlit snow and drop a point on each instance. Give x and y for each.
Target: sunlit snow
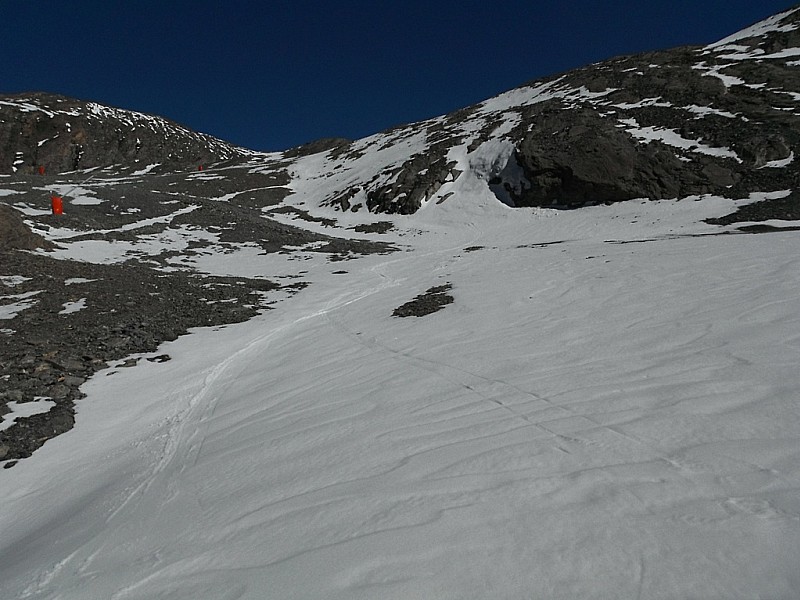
(673, 138)
(758, 30)
(715, 71)
(77, 280)
(608, 409)
(780, 163)
(146, 170)
(73, 307)
(76, 195)
(13, 280)
(14, 304)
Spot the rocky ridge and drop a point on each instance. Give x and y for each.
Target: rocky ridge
(61, 134)
(720, 119)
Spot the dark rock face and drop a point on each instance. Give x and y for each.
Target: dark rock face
(588, 160)
(723, 133)
(411, 184)
(63, 134)
(714, 120)
(377, 227)
(321, 145)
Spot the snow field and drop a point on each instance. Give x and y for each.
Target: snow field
(613, 415)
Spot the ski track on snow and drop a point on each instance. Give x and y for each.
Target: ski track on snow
(338, 452)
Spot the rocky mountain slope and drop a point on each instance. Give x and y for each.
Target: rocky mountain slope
(720, 119)
(64, 134)
(142, 224)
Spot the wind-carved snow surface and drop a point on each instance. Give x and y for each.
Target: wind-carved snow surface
(608, 409)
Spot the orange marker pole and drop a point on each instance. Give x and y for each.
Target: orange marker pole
(57, 204)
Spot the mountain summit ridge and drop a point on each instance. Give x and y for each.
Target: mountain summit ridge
(716, 119)
(664, 124)
(65, 134)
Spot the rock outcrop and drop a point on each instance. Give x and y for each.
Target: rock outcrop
(15, 234)
(719, 119)
(62, 134)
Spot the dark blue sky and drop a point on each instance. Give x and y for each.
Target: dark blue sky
(270, 74)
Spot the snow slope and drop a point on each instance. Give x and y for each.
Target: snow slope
(607, 410)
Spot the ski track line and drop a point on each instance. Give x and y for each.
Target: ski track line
(204, 400)
(185, 447)
(198, 403)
